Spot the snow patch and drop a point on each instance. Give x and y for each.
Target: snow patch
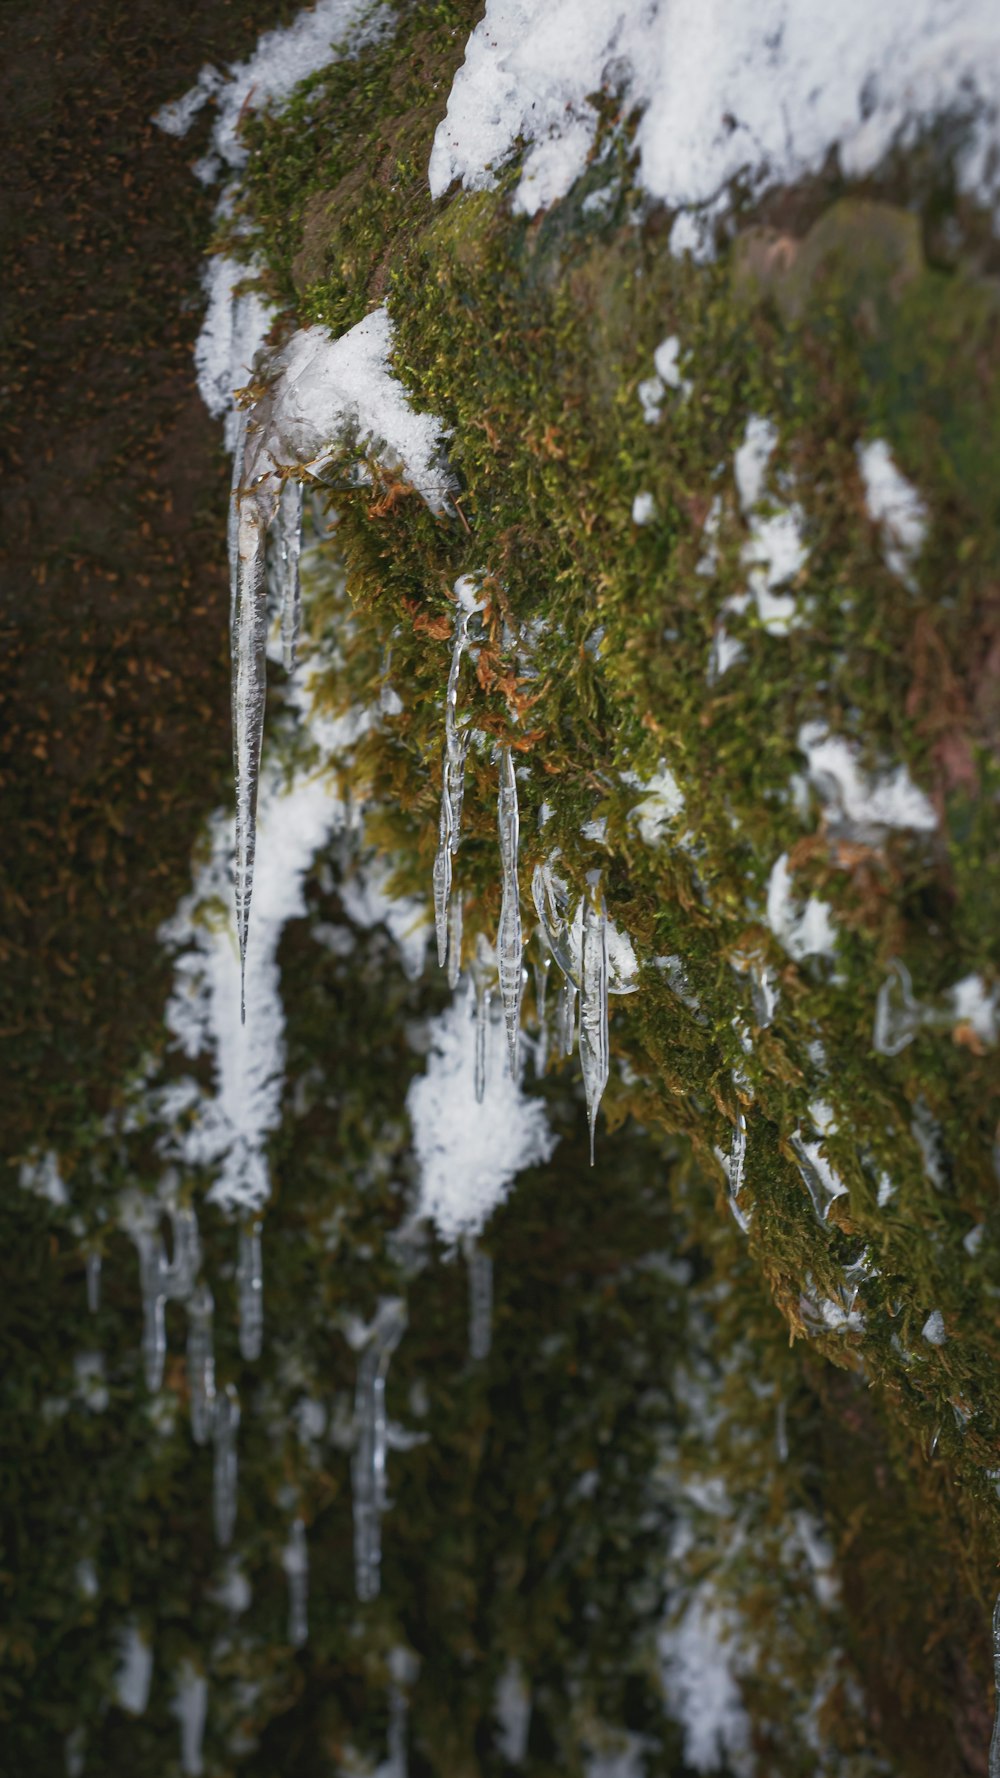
(662, 803)
(865, 804)
(803, 931)
(933, 1329)
(469, 1154)
(763, 93)
(895, 507)
(699, 1680)
(135, 1672)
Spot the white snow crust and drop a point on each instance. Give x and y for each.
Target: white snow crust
(321, 389)
(701, 1688)
(281, 59)
(803, 930)
(895, 507)
(469, 1154)
(726, 89)
(865, 804)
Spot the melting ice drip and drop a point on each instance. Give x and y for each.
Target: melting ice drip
(483, 969)
(295, 1562)
(215, 1414)
(448, 906)
(226, 1466)
(480, 1270)
(510, 947)
(581, 946)
(162, 1281)
(250, 1292)
(370, 1445)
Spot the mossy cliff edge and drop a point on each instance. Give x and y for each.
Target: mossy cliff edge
(779, 1428)
(835, 314)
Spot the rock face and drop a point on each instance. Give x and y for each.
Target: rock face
(719, 530)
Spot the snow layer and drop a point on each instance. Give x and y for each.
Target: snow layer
(803, 931)
(895, 507)
(321, 390)
(230, 1129)
(282, 59)
(866, 805)
(764, 92)
(698, 1656)
(469, 1154)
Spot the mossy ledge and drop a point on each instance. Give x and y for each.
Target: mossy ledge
(832, 313)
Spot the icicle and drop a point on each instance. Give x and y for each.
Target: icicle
(483, 969)
(454, 938)
(900, 1016)
(567, 1016)
(225, 1475)
(180, 1274)
(594, 1052)
(288, 540)
(994, 1763)
(201, 1364)
(781, 1430)
(540, 969)
(509, 945)
(75, 1752)
(480, 1301)
(456, 746)
(295, 1562)
(738, 1155)
(249, 691)
(152, 1268)
(93, 1279)
(250, 1292)
(191, 1708)
(368, 1464)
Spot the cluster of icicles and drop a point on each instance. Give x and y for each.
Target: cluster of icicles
(215, 1411)
(583, 967)
(258, 513)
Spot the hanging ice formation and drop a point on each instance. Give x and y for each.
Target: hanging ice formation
(250, 1291)
(540, 967)
(737, 1162)
(161, 1281)
(509, 944)
(191, 1709)
(456, 746)
(287, 548)
(225, 1471)
(201, 1364)
(93, 1279)
(483, 970)
(248, 641)
(295, 1562)
(594, 1060)
(480, 1270)
(581, 945)
(993, 1769)
(370, 1444)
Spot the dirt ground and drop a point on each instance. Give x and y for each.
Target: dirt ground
(114, 727)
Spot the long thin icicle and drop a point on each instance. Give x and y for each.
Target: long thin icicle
(480, 1269)
(594, 1053)
(483, 970)
(226, 1471)
(93, 1279)
(509, 941)
(154, 1332)
(456, 746)
(371, 1437)
(295, 1562)
(250, 1292)
(249, 692)
(201, 1364)
(455, 937)
(288, 548)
